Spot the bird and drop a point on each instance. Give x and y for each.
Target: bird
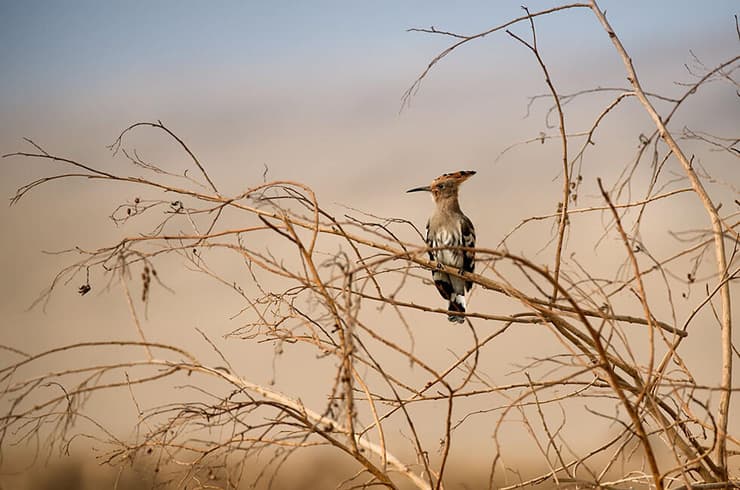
(447, 229)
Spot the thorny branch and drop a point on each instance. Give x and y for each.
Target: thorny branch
(563, 207)
(717, 229)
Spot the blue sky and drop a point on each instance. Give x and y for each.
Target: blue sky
(242, 78)
(44, 44)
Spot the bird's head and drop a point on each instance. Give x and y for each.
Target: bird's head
(445, 186)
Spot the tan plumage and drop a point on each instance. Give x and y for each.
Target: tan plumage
(448, 228)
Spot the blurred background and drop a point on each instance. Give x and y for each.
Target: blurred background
(311, 92)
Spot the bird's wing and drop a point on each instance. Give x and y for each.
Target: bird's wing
(430, 243)
(468, 240)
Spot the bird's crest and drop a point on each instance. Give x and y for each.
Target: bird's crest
(446, 183)
(458, 177)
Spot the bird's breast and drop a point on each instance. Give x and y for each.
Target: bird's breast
(444, 237)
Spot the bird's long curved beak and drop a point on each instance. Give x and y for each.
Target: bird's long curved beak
(425, 188)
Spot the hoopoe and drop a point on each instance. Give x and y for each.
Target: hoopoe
(448, 228)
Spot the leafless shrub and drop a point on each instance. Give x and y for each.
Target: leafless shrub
(620, 338)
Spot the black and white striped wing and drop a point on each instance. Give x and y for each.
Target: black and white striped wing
(430, 243)
(468, 240)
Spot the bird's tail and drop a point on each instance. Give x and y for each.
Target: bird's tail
(457, 303)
